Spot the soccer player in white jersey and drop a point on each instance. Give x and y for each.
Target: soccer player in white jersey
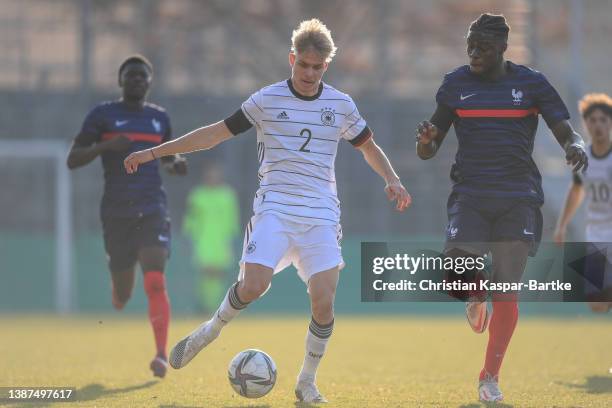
(596, 186)
(299, 123)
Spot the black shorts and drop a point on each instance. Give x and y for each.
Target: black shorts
(475, 222)
(124, 237)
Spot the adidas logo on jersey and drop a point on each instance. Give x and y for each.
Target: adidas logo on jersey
(282, 115)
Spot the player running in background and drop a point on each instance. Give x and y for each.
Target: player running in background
(299, 123)
(497, 191)
(212, 222)
(596, 185)
(133, 210)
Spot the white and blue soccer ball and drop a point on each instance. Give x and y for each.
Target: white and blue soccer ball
(252, 373)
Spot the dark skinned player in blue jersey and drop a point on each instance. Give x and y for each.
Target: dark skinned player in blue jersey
(133, 210)
(497, 192)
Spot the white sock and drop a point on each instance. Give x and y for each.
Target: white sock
(229, 308)
(316, 342)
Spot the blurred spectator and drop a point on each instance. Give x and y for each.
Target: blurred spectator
(212, 223)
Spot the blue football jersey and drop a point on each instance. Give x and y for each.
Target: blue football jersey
(128, 195)
(496, 122)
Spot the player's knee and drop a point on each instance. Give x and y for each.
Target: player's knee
(123, 298)
(153, 265)
(154, 283)
(464, 274)
(323, 308)
(323, 312)
(505, 301)
(253, 289)
(122, 295)
(152, 259)
(599, 307)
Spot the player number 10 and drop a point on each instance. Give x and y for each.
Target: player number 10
(600, 193)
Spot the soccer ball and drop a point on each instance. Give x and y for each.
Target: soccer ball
(252, 373)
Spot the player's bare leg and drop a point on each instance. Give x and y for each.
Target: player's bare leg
(122, 280)
(153, 261)
(477, 315)
(254, 284)
(322, 291)
(476, 308)
(509, 261)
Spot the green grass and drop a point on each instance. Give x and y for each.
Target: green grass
(371, 362)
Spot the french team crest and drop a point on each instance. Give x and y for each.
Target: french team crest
(452, 232)
(517, 96)
(327, 117)
(156, 125)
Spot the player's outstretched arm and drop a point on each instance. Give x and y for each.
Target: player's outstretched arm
(379, 162)
(429, 137)
(200, 139)
(572, 143)
(573, 199)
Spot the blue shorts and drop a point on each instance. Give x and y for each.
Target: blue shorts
(124, 237)
(475, 222)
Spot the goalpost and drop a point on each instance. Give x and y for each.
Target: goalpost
(56, 151)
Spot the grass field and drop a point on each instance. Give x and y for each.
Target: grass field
(371, 362)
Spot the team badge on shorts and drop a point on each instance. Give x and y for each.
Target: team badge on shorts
(327, 117)
(251, 247)
(452, 232)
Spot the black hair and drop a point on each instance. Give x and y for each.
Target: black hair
(136, 58)
(493, 25)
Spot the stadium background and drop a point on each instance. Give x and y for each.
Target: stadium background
(58, 59)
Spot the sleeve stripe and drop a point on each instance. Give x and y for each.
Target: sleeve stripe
(350, 127)
(354, 123)
(250, 116)
(362, 137)
(352, 111)
(255, 103)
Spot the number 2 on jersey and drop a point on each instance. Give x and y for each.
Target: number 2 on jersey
(303, 132)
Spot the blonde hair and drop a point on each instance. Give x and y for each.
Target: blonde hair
(313, 34)
(592, 101)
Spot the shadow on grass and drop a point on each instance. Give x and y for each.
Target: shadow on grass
(88, 393)
(595, 384)
(94, 391)
(302, 404)
(182, 406)
(244, 406)
(5, 403)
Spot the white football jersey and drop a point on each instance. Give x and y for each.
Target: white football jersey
(597, 183)
(297, 142)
